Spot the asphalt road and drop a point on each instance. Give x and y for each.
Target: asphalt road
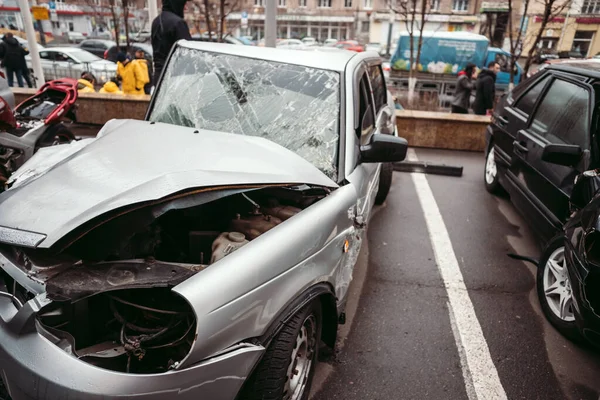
(414, 335)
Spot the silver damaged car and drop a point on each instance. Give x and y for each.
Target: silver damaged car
(206, 252)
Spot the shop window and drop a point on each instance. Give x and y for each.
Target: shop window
(348, 3)
(366, 26)
(435, 5)
(460, 5)
(324, 3)
(582, 42)
(281, 3)
(368, 3)
(302, 3)
(258, 3)
(455, 27)
(590, 7)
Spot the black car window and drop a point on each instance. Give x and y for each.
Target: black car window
(378, 85)
(563, 114)
(366, 124)
(45, 55)
(527, 102)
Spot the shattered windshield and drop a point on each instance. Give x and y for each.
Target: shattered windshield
(294, 106)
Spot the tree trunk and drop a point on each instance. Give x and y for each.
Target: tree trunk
(537, 39)
(411, 67)
(115, 19)
(126, 21)
(207, 18)
(221, 19)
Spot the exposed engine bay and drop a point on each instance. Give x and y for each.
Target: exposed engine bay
(110, 288)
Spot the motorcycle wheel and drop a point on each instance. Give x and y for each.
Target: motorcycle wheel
(56, 134)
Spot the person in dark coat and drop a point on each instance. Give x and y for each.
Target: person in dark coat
(462, 96)
(167, 28)
(485, 89)
(13, 58)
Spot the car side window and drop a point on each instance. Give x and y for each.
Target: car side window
(563, 115)
(366, 124)
(378, 85)
(45, 55)
(61, 57)
(527, 102)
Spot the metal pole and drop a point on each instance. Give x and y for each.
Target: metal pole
(270, 23)
(33, 48)
(152, 10)
(389, 38)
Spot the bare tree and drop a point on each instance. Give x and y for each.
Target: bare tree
(126, 6)
(516, 38)
(410, 9)
(207, 18)
(226, 7)
(114, 12)
(552, 9)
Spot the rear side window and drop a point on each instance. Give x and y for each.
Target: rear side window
(563, 115)
(527, 102)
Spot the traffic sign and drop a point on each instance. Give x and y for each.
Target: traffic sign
(40, 13)
(52, 5)
(244, 15)
(244, 20)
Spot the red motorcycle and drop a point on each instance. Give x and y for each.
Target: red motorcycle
(36, 122)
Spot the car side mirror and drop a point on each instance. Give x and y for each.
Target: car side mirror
(562, 154)
(384, 148)
(585, 188)
(384, 122)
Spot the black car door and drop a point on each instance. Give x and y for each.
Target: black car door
(512, 118)
(562, 116)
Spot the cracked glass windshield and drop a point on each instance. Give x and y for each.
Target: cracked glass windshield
(294, 106)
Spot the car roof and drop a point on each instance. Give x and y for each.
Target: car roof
(105, 41)
(65, 49)
(334, 61)
(589, 68)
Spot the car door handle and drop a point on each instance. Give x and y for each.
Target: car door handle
(520, 147)
(502, 121)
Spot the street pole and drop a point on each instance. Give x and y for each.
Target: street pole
(270, 23)
(40, 28)
(389, 38)
(564, 28)
(33, 48)
(152, 10)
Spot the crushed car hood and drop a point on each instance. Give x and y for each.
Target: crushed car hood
(137, 161)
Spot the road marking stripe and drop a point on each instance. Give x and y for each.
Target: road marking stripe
(468, 334)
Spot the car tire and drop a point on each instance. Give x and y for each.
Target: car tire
(56, 134)
(554, 290)
(490, 172)
(385, 182)
(287, 368)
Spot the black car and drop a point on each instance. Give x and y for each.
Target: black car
(568, 278)
(97, 47)
(543, 135)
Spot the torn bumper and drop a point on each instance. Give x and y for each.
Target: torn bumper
(34, 368)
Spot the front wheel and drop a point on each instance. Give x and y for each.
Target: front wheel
(554, 290)
(56, 134)
(385, 182)
(490, 175)
(288, 366)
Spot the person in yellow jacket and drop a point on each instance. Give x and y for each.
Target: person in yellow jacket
(85, 84)
(132, 73)
(111, 87)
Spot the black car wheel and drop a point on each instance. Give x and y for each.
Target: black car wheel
(490, 175)
(288, 366)
(385, 182)
(56, 134)
(554, 289)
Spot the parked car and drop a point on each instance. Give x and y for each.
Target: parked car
(291, 44)
(246, 41)
(309, 41)
(376, 47)
(569, 54)
(75, 37)
(217, 272)
(70, 62)
(351, 45)
(568, 274)
(330, 42)
(142, 36)
(112, 52)
(545, 55)
(98, 47)
(23, 42)
(540, 139)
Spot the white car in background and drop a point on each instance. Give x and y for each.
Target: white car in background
(294, 44)
(70, 62)
(310, 41)
(24, 43)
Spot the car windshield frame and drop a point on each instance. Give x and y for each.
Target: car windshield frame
(75, 54)
(242, 85)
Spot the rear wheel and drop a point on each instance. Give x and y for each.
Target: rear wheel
(385, 182)
(490, 175)
(56, 134)
(288, 366)
(554, 290)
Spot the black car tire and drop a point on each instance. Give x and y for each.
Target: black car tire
(491, 185)
(270, 379)
(385, 182)
(566, 328)
(56, 134)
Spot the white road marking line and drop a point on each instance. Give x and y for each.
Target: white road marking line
(468, 333)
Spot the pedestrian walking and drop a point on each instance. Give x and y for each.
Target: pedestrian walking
(111, 87)
(132, 74)
(140, 57)
(12, 55)
(464, 85)
(85, 84)
(167, 28)
(485, 89)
